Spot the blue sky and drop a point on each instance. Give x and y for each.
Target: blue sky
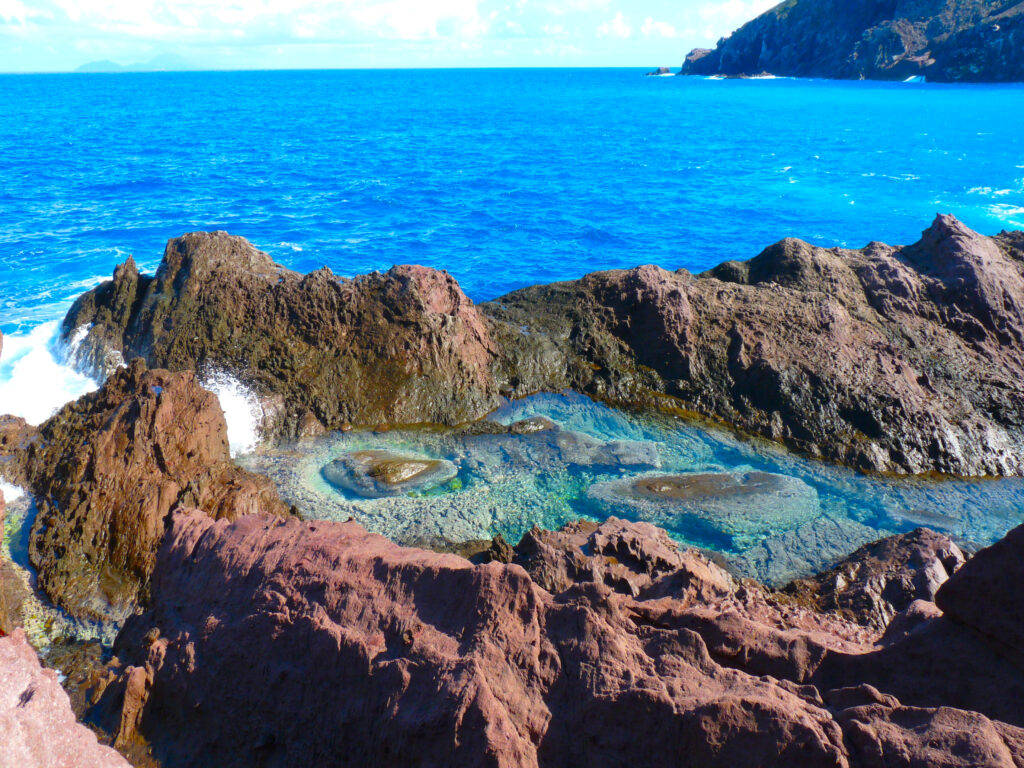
(58, 35)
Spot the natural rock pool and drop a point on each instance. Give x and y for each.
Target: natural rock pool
(550, 459)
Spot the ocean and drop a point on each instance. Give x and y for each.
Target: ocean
(503, 177)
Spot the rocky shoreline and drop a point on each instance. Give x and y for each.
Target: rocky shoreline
(250, 636)
(941, 40)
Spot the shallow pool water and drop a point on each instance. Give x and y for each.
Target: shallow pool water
(772, 515)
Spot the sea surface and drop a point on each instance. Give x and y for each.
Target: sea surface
(503, 177)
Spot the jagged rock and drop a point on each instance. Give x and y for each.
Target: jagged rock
(406, 346)
(887, 359)
(107, 469)
(942, 40)
(346, 649)
(883, 578)
(15, 436)
(12, 589)
(37, 727)
(985, 594)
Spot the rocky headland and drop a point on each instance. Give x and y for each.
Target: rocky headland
(250, 636)
(942, 40)
(891, 359)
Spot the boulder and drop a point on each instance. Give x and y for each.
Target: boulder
(37, 727)
(107, 469)
(376, 473)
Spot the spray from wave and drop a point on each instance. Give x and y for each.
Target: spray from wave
(34, 379)
(242, 411)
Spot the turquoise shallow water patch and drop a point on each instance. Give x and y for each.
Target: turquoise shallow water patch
(774, 515)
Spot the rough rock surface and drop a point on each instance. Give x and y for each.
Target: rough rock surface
(943, 40)
(343, 648)
(905, 359)
(891, 359)
(12, 589)
(882, 579)
(994, 575)
(107, 469)
(37, 727)
(406, 346)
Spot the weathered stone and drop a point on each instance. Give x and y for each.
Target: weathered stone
(383, 473)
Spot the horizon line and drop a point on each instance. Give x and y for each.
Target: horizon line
(128, 70)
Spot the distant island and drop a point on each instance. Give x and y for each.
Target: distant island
(167, 62)
(940, 40)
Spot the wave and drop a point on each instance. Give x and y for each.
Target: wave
(242, 410)
(35, 379)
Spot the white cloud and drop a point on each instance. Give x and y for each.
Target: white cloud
(615, 27)
(733, 13)
(652, 28)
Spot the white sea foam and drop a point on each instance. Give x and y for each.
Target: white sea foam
(11, 492)
(34, 378)
(242, 411)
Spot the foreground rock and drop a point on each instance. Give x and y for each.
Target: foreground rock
(943, 40)
(402, 347)
(107, 469)
(37, 727)
(906, 359)
(883, 579)
(346, 649)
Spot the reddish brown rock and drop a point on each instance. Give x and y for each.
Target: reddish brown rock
(12, 589)
(883, 578)
(986, 594)
(37, 727)
(343, 648)
(406, 346)
(890, 359)
(107, 469)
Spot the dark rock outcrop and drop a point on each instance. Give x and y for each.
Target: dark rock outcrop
(343, 648)
(406, 346)
(943, 40)
(37, 727)
(903, 359)
(106, 470)
(882, 579)
(890, 359)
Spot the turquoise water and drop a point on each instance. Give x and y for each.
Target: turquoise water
(507, 178)
(808, 515)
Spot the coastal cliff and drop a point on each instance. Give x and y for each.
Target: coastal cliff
(892, 359)
(942, 40)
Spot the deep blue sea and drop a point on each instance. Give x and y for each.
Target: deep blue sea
(503, 177)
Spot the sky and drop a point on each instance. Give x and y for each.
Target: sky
(60, 35)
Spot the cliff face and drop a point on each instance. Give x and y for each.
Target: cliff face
(944, 40)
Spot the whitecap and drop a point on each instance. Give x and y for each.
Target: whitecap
(11, 492)
(242, 411)
(35, 378)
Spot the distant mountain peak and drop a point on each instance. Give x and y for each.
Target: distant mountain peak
(164, 62)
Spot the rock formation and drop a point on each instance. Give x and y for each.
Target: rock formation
(343, 648)
(106, 470)
(942, 40)
(903, 359)
(37, 727)
(402, 347)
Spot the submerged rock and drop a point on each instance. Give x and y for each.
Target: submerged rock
(368, 653)
(383, 473)
(37, 727)
(728, 510)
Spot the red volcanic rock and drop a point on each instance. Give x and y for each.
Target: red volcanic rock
(15, 436)
(890, 359)
(108, 468)
(406, 346)
(883, 578)
(37, 727)
(986, 594)
(279, 642)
